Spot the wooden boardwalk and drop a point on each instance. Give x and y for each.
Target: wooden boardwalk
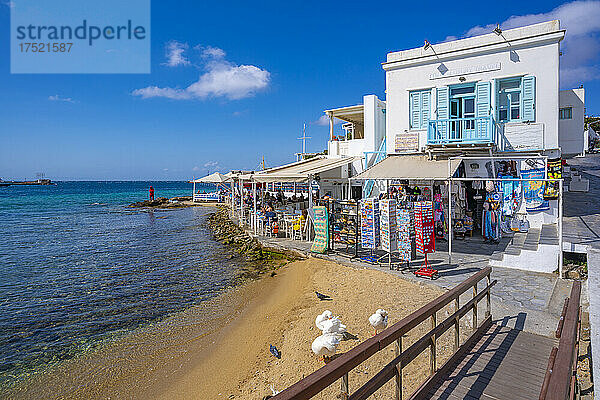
(503, 364)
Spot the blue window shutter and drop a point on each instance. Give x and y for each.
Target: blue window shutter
(415, 110)
(483, 96)
(443, 111)
(442, 103)
(528, 98)
(425, 108)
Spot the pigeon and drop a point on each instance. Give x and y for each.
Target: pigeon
(322, 296)
(275, 352)
(349, 336)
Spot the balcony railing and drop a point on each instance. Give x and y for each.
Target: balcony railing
(459, 131)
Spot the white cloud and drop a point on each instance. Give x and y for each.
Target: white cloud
(324, 121)
(196, 168)
(220, 79)
(581, 46)
(174, 54)
(211, 164)
(59, 98)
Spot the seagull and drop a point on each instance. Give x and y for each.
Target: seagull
(325, 345)
(333, 325)
(275, 352)
(379, 320)
(269, 396)
(322, 318)
(322, 296)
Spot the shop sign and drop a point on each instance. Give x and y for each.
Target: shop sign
(407, 141)
(524, 137)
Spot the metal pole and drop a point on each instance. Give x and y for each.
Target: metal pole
(560, 228)
(254, 200)
(310, 195)
(449, 183)
(194, 190)
(232, 199)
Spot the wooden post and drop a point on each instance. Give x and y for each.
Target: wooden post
(344, 387)
(456, 325)
(475, 308)
(488, 298)
(398, 370)
(432, 358)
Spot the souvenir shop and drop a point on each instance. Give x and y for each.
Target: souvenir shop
(490, 197)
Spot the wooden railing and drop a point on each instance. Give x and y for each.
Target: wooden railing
(340, 366)
(560, 381)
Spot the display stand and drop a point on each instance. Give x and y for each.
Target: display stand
(344, 227)
(369, 228)
(425, 236)
(388, 231)
(406, 236)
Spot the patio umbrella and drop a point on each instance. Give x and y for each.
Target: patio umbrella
(217, 177)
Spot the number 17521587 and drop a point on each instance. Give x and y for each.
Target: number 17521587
(56, 47)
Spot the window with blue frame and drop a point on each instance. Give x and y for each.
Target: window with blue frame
(419, 108)
(565, 113)
(515, 99)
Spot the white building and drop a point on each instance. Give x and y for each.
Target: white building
(573, 140)
(490, 91)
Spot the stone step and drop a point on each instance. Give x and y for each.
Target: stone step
(532, 239)
(549, 234)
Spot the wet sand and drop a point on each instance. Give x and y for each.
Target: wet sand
(221, 348)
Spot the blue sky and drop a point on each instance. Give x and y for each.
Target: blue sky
(232, 82)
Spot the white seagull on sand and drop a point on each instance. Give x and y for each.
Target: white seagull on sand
(333, 326)
(325, 345)
(379, 320)
(322, 318)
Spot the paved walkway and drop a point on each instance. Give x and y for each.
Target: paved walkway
(582, 230)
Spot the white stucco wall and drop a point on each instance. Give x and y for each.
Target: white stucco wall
(571, 135)
(533, 50)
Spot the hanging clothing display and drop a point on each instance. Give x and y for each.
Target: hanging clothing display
(490, 228)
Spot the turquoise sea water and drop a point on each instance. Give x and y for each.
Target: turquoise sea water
(77, 267)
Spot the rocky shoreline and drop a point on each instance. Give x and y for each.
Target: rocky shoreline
(163, 202)
(262, 259)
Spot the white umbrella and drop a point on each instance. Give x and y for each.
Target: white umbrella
(217, 177)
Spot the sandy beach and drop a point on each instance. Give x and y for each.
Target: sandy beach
(221, 348)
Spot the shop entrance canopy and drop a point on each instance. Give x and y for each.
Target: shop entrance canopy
(410, 167)
(301, 171)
